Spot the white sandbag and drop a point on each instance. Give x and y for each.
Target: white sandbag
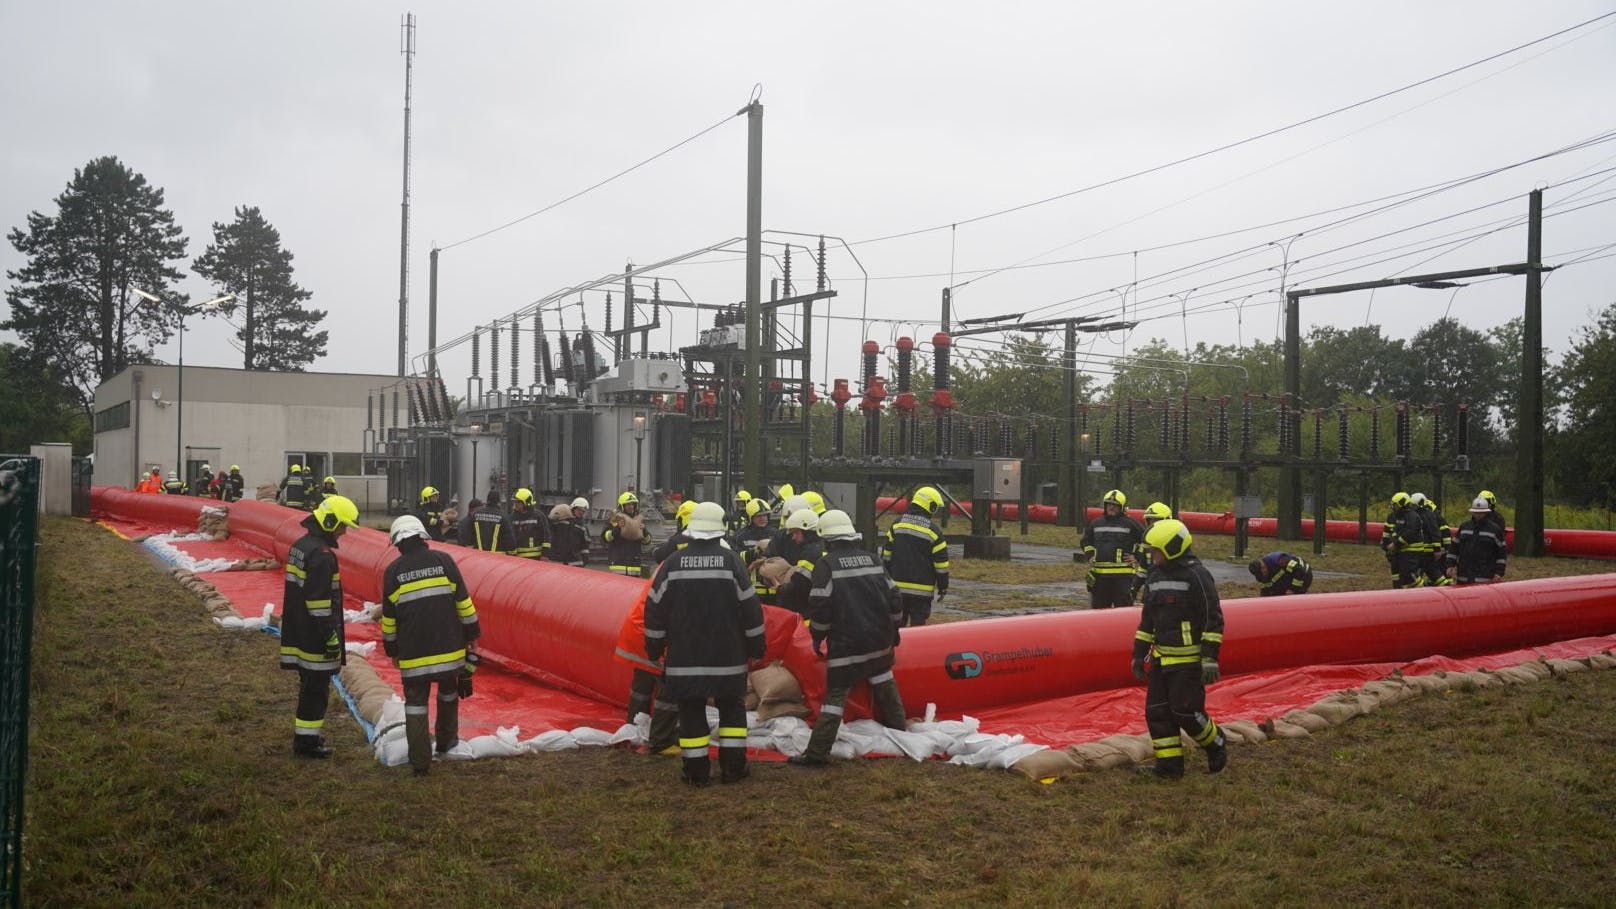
(553, 740)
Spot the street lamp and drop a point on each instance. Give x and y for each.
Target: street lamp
(639, 442)
(179, 400)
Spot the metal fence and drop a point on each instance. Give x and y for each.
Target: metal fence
(19, 525)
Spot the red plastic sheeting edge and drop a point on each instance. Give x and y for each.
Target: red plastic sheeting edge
(1586, 544)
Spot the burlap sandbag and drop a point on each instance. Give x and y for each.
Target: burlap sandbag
(366, 688)
(267, 492)
(1604, 660)
(1099, 756)
(768, 710)
(1332, 712)
(1280, 728)
(1564, 667)
(1244, 732)
(1516, 675)
(1387, 692)
(775, 682)
(1480, 678)
(632, 527)
(751, 695)
(773, 571)
(1312, 719)
(1428, 684)
(1537, 669)
(1044, 765)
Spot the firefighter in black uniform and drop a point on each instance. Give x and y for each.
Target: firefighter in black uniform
(1438, 541)
(739, 517)
(530, 529)
(490, 531)
(755, 531)
(1479, 553)
(703, 620)
(680, 539)
(1155, 511)
(781, 543)
(1403, 541)
(311, 619)
(1280, 573)
(623, 555)
(802, 527)
(854, 613)
(428, 626)
(234, 486)
(1181, 630)
(293, 492)
(916, 556)
(569, 544)
(429, 511)
(201, 482)
(174, 486)
(1112, 544)
(1496, 519)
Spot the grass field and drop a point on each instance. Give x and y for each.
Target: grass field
(159, 775)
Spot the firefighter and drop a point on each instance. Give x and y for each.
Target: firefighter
(624, 537)
(216, 487)
(429, 511)
(199, 484)
(1479, 553)
(802, 527)
(679, 539)
(569, 544)
(328, 487)
(580, 508)
(815, 501)
(738, 516)
(1155, 511)
(779, 543)
(428, 626)
(1280, 573)
(916, 556)
(1112, 544)
(464, 534)
(1438, 540)
(702, 614)
(311, 619)
(530, 529)
(293, 493)
(1403, 541)
(1181, 631)
(150, 483)
(755, 531)
(854, 613)
(1496, 519)
(490, 531)
(174, 486)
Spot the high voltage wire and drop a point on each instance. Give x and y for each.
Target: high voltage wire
(1246, 141)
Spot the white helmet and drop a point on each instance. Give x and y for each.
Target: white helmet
(836, 525)
(794, 504)
(406, 526)
(1417, 499)
(802, 519)
(581, 502)
(706, 521)
(1481, 505)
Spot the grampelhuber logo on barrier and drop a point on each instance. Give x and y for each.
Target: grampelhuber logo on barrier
(965, 665)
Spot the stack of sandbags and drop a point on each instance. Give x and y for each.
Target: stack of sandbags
(772, 571)
(214, 522)
(267, 492)
(367, 689)
(778, 693)
(1112, 751)
(215, 602)
(254, 565)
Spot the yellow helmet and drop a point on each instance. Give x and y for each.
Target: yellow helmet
(1157, 511)
(235, 468)
(743, 496)
(524, 495)
(755, 507)
(786, 491)
(336, 511)
(685, 508)
(815, 501)
(928, 498)
(297, 468)
(427, 492)
(1115, 497)
(1492, 500)
(1170, 536)
(627, 498)
(331, 481)
(1399, 499)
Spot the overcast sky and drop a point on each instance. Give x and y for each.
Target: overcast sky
(880, 118)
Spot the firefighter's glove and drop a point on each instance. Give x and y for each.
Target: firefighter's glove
(1139, 670)
(467, 672)
(1210, 672)
(333, 647)
(1088, 581)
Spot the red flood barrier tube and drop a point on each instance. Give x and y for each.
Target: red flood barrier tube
(1585, 544)
(966, 666)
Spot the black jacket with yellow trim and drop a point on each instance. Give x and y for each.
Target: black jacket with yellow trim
(1108, 538)
(1182, 619)
(853, 609)
(703, 621)
(916, 555)
(427, 614)
(311, 604)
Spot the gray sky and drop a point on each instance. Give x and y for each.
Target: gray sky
(880, 118)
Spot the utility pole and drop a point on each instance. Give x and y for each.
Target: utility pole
(432, 315)
(408, 50)
(752, 456)
(1068, 486)
(948, 315)
(1529, 428)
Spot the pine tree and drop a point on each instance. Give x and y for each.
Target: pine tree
(73, 302)
(246, 259)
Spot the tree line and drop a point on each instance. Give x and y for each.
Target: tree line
(78, 316)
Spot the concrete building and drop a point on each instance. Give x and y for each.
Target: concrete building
(263, 421)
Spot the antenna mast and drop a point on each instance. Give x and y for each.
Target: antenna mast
(407, 48)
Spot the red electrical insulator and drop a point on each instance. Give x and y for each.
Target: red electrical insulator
(679, 402)
(659, 402)
(776, 385)
(942, 400)
(905, 401)
(875, 395)
(811, 396)
(840, 395)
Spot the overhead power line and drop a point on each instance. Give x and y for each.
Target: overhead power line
(1232, 145)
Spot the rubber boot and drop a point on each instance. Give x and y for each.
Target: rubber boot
(310, 746)
(698, 771)
(664, 731)
(418, 735)
(1164, 769)
(732, 765)
(1217, 756)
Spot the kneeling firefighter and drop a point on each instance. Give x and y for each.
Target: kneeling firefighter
(311, 619)
(1181, 630)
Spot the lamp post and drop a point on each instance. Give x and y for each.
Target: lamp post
(179, 400)
(639, 442)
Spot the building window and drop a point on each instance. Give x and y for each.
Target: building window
(114, 417)
(347, 463)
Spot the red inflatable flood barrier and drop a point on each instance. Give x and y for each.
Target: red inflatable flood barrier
(560, 624)
(1585, 544)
